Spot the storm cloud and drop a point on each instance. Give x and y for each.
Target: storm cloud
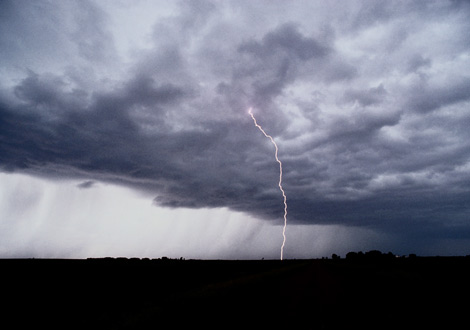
(368, 102)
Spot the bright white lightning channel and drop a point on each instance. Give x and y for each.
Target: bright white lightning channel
(280, 179)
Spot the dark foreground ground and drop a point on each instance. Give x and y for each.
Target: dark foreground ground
(411, 293)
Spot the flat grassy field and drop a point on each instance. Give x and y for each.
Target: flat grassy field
(401, 293)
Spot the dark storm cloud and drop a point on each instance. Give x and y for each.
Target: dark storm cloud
(372, 123)
(288, 40)
(274, 61)
(427, 98)
(371, 96)
(86, 184)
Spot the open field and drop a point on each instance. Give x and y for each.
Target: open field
(307, 294)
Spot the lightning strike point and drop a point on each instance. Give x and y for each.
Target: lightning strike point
(250, 111)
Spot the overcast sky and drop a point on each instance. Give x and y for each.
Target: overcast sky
(124, 127)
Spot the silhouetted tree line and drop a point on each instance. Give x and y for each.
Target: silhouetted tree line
(132, 260)
(371, 255)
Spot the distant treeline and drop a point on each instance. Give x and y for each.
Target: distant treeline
(133, 259)
(372, 255)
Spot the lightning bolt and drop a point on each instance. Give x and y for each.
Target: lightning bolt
(280, 179)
